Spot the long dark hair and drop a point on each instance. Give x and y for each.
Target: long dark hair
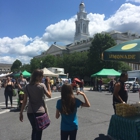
(68, 99)
(36, 76)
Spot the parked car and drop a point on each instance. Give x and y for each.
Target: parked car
(105, 87)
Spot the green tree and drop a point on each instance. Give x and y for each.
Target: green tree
(123, 66)
(75, 64)
(26, 67)
(16, 65)
(49, 61)
(35, 64)
(100, 43)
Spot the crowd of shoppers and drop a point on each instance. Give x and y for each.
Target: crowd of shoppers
(66, 107)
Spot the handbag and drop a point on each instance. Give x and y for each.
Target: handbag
(42, 121)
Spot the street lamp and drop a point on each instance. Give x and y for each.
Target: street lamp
(41, 64)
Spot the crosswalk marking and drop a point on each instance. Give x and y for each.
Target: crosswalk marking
(2, 104)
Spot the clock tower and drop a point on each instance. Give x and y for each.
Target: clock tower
(81, 23)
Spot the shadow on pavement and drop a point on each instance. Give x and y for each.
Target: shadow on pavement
(108, 94)
(102, 137)
(14, 110)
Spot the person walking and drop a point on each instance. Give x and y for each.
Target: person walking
(36, 91)
(8, 92)
(82, 85)
(120, 94)
(67, 108)
(111, 85)
(100, 84)
(21, 83)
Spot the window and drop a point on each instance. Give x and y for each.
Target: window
(84, 28)
(79, 28)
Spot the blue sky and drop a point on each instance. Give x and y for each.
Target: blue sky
(28, 27)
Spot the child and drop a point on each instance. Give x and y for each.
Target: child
(67, 107)
(21, 97)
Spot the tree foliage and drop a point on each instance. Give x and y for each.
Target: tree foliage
(100, 43)
(35, 64)
(49, 61)
(16, 65)
(26, 67)
(76, 64)
(82, 64)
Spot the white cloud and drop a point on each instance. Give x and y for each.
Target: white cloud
(137, 1)
(24, 48)
(125, 19)
(21, 48)
(62, 31)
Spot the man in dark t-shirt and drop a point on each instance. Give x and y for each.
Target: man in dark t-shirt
(120, 94)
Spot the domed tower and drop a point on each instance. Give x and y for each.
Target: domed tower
(81, 23)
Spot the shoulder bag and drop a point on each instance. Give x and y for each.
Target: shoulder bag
(42, 121)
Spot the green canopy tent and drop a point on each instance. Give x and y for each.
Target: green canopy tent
(25, 74)
(106, 73)
(128, 51)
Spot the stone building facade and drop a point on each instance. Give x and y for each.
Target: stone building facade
(5, 68)
(82, 38)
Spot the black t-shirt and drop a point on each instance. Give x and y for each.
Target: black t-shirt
(122, 93)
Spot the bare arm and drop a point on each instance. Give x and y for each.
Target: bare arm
(18, 84)
(22, 108)
(48, 93)
(86, 103)
(116, 90)
(57, 115)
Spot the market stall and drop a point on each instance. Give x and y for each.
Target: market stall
(24, 73)
(47, 72)
(106, 73)
(125, 125)
(121, 128)
(128, 51)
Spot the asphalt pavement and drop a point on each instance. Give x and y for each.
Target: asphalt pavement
(93, 121)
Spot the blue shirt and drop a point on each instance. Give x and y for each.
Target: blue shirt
(69, 122)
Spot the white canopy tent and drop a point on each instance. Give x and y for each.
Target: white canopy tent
(3, 75)
(47, 72)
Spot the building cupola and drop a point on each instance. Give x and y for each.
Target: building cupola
(82, 7)
(81, 23)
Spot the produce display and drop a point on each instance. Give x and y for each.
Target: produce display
(127, 110)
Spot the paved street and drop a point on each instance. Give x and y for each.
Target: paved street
(93, 121)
